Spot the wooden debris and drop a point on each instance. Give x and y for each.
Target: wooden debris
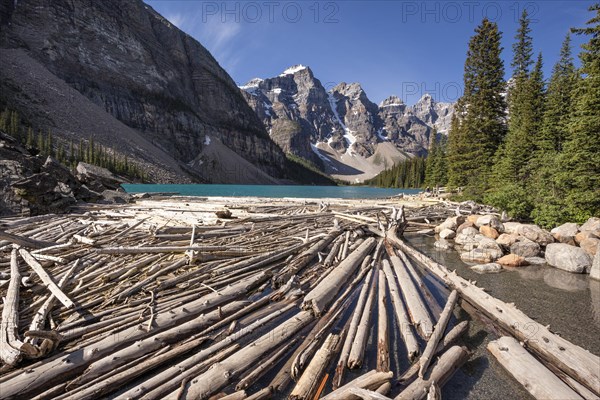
(538, 380)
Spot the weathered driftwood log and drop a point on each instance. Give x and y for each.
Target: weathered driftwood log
(264, 366)
(39, 319)
(575, 361)
(371, 381)
(108, 382)
(438, 332)
(414, 303)
(364, 328)
(159, 249)
(367, 394)
(383, 347)
(66, 366)
(440, 373)
(220, 374)
(538, 380)
(455, 333)
(46, 278)
(306, 257)
(155, 342)
(321, 296)
(309, 381)
(353, 325)
(25, 241)
(404, 324)
(10, 345)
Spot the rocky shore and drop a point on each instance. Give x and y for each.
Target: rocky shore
(492, 244)
(31, 185)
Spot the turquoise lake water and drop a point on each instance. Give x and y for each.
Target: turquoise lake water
(275, 191)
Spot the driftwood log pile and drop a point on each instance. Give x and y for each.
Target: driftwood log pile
(198, 299)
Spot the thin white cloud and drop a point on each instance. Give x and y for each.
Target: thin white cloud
(217, 36)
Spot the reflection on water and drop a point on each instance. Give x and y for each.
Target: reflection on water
(567, 302)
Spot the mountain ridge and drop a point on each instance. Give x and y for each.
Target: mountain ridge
(342, 130)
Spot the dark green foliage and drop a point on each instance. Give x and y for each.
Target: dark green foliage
(478, 124)
(435, 165)
(304, 172)
(580, 160)
(405, 174)
(44, 144)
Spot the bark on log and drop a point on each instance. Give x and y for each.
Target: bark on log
(575, 361)
(46, 279)
(371, 380)
(309, 381)
(343, 360)
(404, 324)
(414, 303)
(10, 345)
(538, 380)
(220, 374)
(321, 296)
(363, 330)
(441, 372)
(383, 347)
(455, 333)
(25, 385)
(438, 332)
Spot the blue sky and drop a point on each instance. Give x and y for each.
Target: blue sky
(403, 48)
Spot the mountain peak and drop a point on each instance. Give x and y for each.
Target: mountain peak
(391, 101)
(293, 69)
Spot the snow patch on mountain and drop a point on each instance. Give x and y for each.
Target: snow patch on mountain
(348, 134)
(292, 70)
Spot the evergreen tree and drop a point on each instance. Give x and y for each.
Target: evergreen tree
(478, 125)
(546, 192)
(512, 169)
(580, 161)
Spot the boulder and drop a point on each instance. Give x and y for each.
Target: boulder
(581, 236)
(492, 221)
(45, 194)
(98, 178)
(443, 244)
(566, 233)
(478, 256)
(512, 260)
(473, 218)
(507, 239)
(512, 227)
(490, 268)
(526, 248)
(536, 234)
(568, 258)
(447, 234)
(488, 243)
(464, 226)
(590, 245)
(489, 232)
(535, 260)
(115, 197)
(595, 271)
(591, 225)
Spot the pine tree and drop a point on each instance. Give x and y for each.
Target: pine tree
(478, 125)
(580, 161)
(547, 193)
(512, 170)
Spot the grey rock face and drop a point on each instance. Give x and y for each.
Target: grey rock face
(143, 71)
(568, 258)
(343, 117)
(525, 248)
(595, 271)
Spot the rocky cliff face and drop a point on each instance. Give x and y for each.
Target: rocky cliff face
(345, 133)
(142, 71)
